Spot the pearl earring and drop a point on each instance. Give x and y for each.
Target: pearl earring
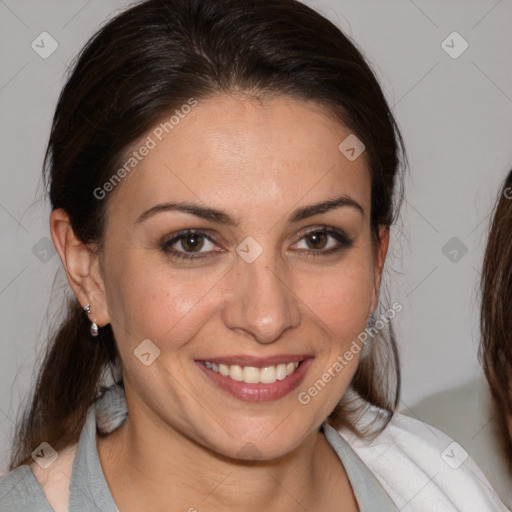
(94, 326)
(94, 329)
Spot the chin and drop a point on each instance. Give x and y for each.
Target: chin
(257, 442)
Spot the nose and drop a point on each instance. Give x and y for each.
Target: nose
(260, 302)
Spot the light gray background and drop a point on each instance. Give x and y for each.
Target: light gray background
(455, 115)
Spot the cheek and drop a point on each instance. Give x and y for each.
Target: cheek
(160, 303)
(341, 298)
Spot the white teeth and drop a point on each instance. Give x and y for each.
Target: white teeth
(253, 375)
(290, 368)
(268, 375)
(236, 373)
(281, 371)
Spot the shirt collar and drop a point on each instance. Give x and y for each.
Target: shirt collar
(89, 488)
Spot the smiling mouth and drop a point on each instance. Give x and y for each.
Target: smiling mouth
(253, 375)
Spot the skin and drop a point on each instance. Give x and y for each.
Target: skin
(258, 161)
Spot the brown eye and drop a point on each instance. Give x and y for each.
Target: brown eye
(316, 239)
(192, 243)
(189, 244)
(323, 241)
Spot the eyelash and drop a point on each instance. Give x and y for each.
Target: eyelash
(344, 243)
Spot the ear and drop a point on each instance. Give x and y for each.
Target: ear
(81, 264)
(378, 264)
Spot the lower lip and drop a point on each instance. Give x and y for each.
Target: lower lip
(259, 392)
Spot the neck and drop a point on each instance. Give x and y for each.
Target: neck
(173, 472)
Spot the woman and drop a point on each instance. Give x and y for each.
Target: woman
(222, 177)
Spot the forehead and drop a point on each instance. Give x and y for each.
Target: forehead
(241, 152)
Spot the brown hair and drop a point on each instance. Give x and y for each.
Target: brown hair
(496, 311)
(145, 63)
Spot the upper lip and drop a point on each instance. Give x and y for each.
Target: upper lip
(257, 362)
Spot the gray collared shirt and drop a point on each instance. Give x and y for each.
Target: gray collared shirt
(89, 492)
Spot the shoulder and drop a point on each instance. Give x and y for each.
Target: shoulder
(32, 487)
(20, 492)
(55, 480)
(469, 414)
(422, 468)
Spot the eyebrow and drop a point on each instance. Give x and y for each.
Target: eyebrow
(332, 204)
(220, 217)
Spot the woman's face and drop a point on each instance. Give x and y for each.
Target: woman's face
(271, 276)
